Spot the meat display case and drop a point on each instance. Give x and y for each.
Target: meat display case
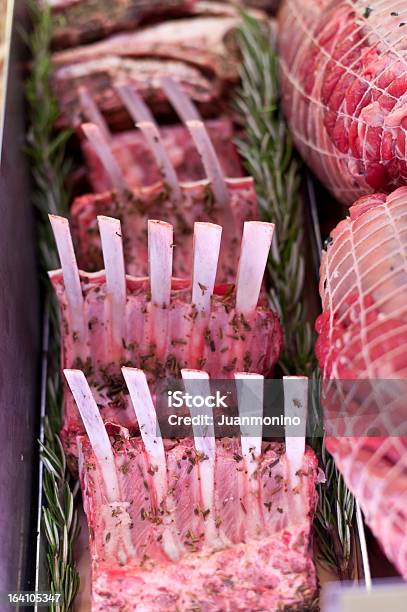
(24, 337)
(20, 327)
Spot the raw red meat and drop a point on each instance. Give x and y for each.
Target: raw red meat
(199, 53)
(228, 343)
(83, 21)
(269, 567)
(362, 352)
(138, 164)
(344, 91)
(161, 324)
(101, 75)
(206, 42)
(197, 204)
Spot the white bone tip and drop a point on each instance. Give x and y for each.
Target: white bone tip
(155, 222)
(144, 124)
(89, 128)
(58, 219)
(71, 373)
(105, 219)
(189, 374)
(207, 240)
(133, 372)
(205, 225)
(256, 243)
(243, 375)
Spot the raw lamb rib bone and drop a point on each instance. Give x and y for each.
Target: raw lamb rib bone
(195, 523)
(227, 201)
(344, 90)
(135, 158)
(160, 323)
(200, 54)
(363, 337)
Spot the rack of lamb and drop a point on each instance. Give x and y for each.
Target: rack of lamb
(198, 522)
(160, 323)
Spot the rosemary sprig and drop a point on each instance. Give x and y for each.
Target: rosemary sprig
(335, 516)
(46, 149)
(60, 520)
(267, 150)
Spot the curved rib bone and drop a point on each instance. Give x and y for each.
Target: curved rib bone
(145, 121)
(160, 245)
(137, 108)
(250, 393)
(103, 151)
(150, 432)
(210, 162)
(207, 239)
(167, 170)
(295, 405)
(149, 428)
(182, 103)
(112, 247)
(197, 383)
(256, 242)
(92, 113)
(96, 431)
(63, 239)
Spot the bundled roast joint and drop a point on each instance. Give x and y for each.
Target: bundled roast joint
(343, 76)
(363, 334)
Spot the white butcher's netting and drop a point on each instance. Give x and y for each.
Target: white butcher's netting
(362, 350)
(344, 90)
